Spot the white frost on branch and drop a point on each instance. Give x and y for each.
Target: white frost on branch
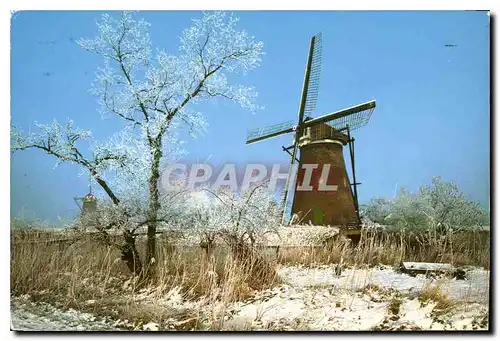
(129, 35)
(155, 95)
(130, 181)
(56, 139)
(154, 91)
(241, 217)
(437, 206)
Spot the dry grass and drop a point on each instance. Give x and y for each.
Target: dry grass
(71, 273)
(391, 249)
(369, 288)
(394, 306)
(435, 293)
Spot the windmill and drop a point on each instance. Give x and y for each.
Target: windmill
(89, 201)
(320, 141)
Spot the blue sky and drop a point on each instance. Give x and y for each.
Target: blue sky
(432, 116)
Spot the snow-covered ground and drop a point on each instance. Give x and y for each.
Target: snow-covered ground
(474, 289)
(317, 299)
(308, 299)
(30, 316)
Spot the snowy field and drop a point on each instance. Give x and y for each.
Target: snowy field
(475, 289)
(308, 299)
(317, 299)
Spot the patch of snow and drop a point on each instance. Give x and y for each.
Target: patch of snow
(30, 316)
(292, 308)
(317, 299)
(151, 326)
(413, 312)
(173, 300)
(475, 288)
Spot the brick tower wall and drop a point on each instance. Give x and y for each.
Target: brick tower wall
(336, 207)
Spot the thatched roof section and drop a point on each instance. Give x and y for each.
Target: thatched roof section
(298, 236)
(281, 236)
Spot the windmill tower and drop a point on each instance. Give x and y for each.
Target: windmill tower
(320, 142)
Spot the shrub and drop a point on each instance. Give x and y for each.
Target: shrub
(440, 206)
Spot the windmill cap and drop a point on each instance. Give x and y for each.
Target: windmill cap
(89, 197)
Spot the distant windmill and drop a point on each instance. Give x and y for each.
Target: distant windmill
(89, 201)
(321, 142)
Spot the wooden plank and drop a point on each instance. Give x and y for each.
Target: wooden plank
(420, 267)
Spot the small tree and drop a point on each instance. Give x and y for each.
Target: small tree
(237, 218)
(153, 97)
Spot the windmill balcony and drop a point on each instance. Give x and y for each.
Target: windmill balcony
(322, 133)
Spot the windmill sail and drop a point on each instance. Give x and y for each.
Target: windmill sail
(354, 121)
(314, 76)
(307, 104)
(260, 134)
(356, 117)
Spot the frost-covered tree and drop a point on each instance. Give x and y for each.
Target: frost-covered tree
(450, 206)
(441, 206)
(237, 218)
(155, 94)
(410, 211)
(376, 210)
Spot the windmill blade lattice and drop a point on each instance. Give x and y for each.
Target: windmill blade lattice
(356, 117)
(355, 121)
(314, 76)
(259, 134)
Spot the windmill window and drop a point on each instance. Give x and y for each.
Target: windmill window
(307, 132)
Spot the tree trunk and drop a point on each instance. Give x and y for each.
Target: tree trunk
(105, 186)
(154, 202)
(130, 254)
